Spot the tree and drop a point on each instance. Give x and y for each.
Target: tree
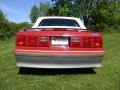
(23, 25)
(37, 11)
(105, 13)
(62, 8)
(3, 25)
(97, 14)
(34, 13)
(9, 29)
(43, 9)
(2, 16)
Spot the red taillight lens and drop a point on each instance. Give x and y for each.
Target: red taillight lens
(31, 41)
(44, 41)
(97, 42)
(87, 42)
(20, 41)
(75, 42)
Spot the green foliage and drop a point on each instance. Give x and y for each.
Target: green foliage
(43, 9)
(99, 15)
(23, 25)
(105, 14)
(37, 11)
(34, 13)
(3, 25)
(9, 29)
(62, 8)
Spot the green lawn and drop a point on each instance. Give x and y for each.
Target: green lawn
(107, 77)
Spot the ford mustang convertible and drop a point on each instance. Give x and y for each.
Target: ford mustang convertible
(58, 42)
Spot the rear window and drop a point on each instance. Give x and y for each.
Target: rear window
(59, 22)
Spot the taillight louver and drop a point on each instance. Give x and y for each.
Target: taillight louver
(75, 42)
(43, 41)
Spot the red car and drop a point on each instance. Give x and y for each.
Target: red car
(58, 42)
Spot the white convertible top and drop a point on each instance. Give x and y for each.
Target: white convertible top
(36, 25)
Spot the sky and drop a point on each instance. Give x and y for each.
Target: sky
(18, 10)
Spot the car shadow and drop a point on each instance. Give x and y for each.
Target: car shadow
(36, 71)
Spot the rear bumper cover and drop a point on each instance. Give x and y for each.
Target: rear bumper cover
(59, 59)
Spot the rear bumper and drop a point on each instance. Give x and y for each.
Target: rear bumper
(59, 60)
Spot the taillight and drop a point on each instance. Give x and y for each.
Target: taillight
(43, 41)
(97, 42)
(87, 42)
(31, 41)
(20, 41)
(75, 42)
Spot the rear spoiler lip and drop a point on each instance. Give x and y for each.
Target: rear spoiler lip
(30, 29)
(93, 33)
(79, 30)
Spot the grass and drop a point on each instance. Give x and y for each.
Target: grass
(107, 77)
